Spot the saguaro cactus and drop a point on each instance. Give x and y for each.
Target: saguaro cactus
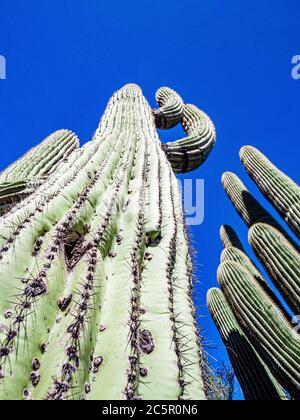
(249, 316)
(96, 274)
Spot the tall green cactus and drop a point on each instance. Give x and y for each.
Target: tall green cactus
(247, 310)
(96, 274)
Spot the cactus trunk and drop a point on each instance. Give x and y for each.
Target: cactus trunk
(96, 275)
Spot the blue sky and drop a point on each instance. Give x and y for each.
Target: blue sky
(232, 58)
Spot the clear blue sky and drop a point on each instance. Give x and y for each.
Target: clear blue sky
(230, 57)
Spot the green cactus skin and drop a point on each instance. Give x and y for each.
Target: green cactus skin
(43, 159)
(253, 375)
(259, 313)
(24, 176)
(190, 152)
(250, 210)
(229, 238)
(270, 333)
(96, 289)
(278, 188)
(280, 259)
(170, 111)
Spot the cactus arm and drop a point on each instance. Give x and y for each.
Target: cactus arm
(253, 375)
(266, 328)
(278, 188)
(12, 192)
(229, 238)
(190, 152)
(39, 160)
(170, 111)
(23, 177)
(246, 205)
(281, 260)
(250, 210)
(237, 255)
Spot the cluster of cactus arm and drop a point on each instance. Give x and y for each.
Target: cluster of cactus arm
(262, 340)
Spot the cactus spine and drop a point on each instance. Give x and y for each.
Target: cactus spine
(246, 307)
(96, 275)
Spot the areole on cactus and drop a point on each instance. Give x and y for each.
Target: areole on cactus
(96, 273)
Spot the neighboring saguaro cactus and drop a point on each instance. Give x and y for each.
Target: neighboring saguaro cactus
(254, 376)
(96, 274)
(278, 188)
(24, 176)
(247, 313)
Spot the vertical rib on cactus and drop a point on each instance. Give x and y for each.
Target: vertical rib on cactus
(96, 274)
(190, 152)
(236, 255)
(253, 375)
(277, 187)
(250, 210)
(281, 260)
(258, 311)
(270, 333)
(246, 205)
(171, 105)
(229, 238)
(42, 159)
(25, 175)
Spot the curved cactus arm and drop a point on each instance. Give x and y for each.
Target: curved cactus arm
(229, 238)
(170, 111)
(269, 332)
(281, 261)
(190, 152)
(42, 159)
(278, 188)
(253, 375)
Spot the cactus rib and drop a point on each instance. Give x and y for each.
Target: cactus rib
(281, 260)
(278, 344)
(254, 376)
(277, 187)
(229, 238)
(190, 152)
(96, 274)
(171, 106)
(258, 311)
